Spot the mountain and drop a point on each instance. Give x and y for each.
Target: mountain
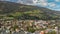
(28, 12)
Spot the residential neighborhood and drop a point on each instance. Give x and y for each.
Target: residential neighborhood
(28, 26)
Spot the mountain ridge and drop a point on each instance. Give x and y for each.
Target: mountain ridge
(10, 8)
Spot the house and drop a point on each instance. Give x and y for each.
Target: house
(29, 33)
(36, 32)
(20, 32)
(40, 22)
(42, 32)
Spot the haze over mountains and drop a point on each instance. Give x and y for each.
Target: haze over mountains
(20, 11)
(51, 4)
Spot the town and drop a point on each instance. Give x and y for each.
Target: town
(29, 16)
(14, 26)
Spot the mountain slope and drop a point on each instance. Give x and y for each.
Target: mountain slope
(20, 11)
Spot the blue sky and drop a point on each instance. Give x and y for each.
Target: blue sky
(51, 4)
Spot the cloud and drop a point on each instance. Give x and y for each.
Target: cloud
(1, 0)
(43, 0)
(31, 2)
(4, 0)
(57, 0)
(44, 4)
(51, 4)
(19, 1)
(55, 8)
(25, 2)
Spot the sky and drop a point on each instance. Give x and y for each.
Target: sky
(51, 4)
